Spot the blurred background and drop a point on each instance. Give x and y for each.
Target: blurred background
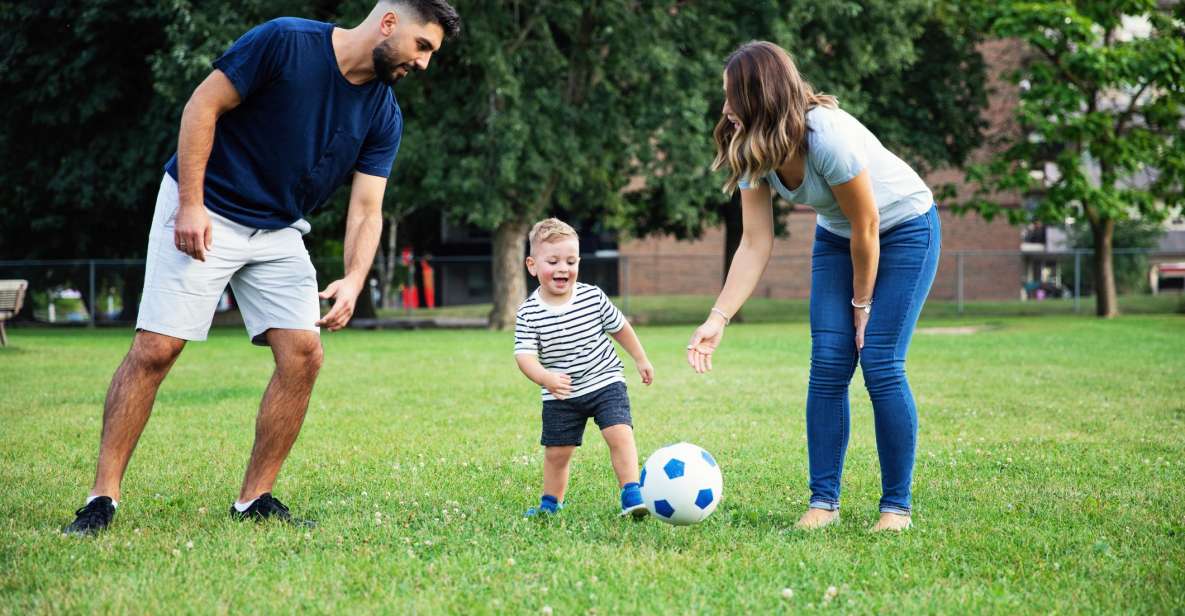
(1050, 132)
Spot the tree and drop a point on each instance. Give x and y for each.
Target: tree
(909, 70)
(548, 106)
(84, 142)
(93, 97)
(540, 107)
(1101, 110)
(1130, 269)
(557, 106)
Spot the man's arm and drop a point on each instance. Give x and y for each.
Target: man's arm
(364, 225)
(212, 98)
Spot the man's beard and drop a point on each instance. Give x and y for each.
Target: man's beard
(384, 66)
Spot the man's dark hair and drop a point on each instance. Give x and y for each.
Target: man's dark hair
(435, 11)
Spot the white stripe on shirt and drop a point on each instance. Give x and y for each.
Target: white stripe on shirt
(572, 338)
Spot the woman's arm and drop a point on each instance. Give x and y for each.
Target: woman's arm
(752, 255)
(748, 264)
(859, 207)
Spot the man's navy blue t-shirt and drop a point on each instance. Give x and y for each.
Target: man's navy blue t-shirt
(300, 131)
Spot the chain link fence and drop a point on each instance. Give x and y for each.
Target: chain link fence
(651, 288)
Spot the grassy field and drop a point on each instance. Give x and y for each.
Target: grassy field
(1050, 478)
(684, 309)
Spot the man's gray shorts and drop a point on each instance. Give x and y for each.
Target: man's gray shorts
(269, 271)
(564, 420)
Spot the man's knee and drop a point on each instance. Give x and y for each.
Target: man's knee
(302, 357)
(154, 353)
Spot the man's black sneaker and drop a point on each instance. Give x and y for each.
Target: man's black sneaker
(268, 507)
(95, 516)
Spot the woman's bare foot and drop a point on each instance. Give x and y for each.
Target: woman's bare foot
(892, 522)
(815, 519)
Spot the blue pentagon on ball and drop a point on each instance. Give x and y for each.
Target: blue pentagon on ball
(642, 479)
(704, 498)
(708, 458)
(673, 468)
(663, 508)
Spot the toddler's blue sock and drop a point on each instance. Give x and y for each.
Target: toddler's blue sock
(631, 500)
(548, 505)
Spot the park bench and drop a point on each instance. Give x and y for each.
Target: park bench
(12, 294)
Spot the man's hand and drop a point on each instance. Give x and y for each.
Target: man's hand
(192, 232)
(344, 294)
(559, 384)
(646, 369)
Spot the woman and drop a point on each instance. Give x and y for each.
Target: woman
(874, 257)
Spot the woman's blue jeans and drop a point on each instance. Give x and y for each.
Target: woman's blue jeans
(908, 261)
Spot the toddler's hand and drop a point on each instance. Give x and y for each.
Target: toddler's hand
(559, 384)
(646, 370)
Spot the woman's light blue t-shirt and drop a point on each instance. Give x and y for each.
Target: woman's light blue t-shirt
(839, 147)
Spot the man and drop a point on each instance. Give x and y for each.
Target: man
(292, 110)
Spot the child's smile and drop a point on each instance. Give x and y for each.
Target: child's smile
(556, 266)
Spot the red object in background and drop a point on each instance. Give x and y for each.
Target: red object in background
(429, 284)
(411, 299)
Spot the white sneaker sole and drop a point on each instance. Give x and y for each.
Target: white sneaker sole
(637, 511)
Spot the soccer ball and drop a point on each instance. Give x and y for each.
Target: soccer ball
(681, 484)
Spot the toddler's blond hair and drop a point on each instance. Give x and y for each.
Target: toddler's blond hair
(550, 230)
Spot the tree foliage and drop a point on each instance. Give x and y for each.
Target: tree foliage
(1102, 99)
(81, 126)
(600, 110)
(93, 97)
(605, 109)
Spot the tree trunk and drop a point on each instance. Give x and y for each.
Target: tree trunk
(1106, 300)
(389, 263)
(733, 228)
(510, 281)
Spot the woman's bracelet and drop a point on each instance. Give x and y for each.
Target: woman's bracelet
(720, 312)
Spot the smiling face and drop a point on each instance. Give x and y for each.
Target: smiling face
(556, 264)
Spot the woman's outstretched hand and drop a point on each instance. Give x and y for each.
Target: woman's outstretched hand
(703, 343)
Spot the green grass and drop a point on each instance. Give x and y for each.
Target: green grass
(683, 309)
(1050, 478)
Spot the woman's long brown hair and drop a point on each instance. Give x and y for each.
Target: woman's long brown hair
(770, 99)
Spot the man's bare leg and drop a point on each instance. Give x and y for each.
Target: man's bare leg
(281, 413)
(129, 403)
